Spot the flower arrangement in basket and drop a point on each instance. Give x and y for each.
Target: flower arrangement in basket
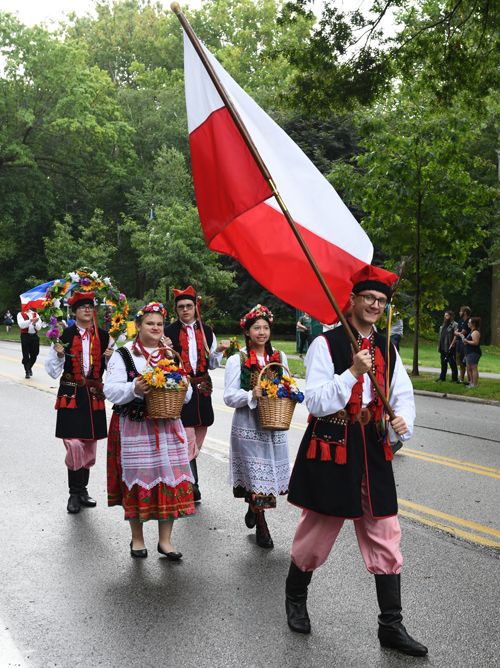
(169, 383)
(278, 401)
(84, 280)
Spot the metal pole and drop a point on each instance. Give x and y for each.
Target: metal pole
(175, 7)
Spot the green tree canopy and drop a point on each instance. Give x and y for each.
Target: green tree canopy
(417, 182)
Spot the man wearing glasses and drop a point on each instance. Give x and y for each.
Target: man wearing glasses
(343, 468)
(197, 346)
(80, 357)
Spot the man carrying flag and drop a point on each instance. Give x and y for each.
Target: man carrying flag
(343, 468)
(254, 184)
(197, 346)
(29, 324)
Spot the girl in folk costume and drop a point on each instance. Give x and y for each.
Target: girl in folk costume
(81, 417)
(195, 342)
(148, 465)
(259, 461)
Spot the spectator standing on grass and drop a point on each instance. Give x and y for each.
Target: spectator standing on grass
(446, 348)
(304, 327)
(8, 320)
(462, 331)
(397, 331)
(473, 351)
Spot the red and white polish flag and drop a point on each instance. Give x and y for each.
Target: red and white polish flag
(240, 216)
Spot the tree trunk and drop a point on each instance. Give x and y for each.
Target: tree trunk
(495, 305)
(414, 371)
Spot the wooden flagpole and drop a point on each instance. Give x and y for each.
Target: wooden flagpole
(175, 7)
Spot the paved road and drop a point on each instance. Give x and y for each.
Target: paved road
(71, 596)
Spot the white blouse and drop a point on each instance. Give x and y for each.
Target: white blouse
(116, 387)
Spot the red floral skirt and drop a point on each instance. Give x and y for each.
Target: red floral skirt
(159, 503)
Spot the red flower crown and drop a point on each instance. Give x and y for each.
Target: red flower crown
(152, 307)
(258, 311)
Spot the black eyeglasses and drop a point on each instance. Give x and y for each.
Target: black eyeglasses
(87, 307)
(371, 299)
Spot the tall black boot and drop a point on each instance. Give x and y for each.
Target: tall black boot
(196, 489)
(27, 371)
(263, 535)
(75, 488)
(391, 631)
(84, 497)
(296, 597)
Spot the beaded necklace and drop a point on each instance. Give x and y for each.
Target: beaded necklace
(155, 358)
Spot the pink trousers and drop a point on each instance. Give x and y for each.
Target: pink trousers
(79, 453)
(195, 437)
(378, 540)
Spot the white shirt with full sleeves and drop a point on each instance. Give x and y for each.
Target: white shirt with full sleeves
(152, 451)
(214, 358)
(234, 396)
(54, 364)
(116, 387)
(26, 325)
(328, 392)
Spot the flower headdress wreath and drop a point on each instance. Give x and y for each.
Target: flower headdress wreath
(152, 307)
(258, 311)
(84, 281)
(251, 367)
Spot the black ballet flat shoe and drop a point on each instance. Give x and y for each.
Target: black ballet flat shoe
(171, 556)
(250, 518)
(138, 554)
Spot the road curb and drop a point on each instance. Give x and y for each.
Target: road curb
(457, 397)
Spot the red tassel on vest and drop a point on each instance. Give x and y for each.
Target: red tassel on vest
(341, 453)
(325, 451)
(311, 450)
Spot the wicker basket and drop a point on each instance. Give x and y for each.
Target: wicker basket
(275, 414)
(165, 403)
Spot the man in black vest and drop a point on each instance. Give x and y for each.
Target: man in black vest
(81, 413)
(343, 468)
(197, 346)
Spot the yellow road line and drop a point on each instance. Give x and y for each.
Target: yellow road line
(28, 383)
(449, 518)
(16, 359)
(450, 459)
(454, 531)
(470, 468)
(211, 447)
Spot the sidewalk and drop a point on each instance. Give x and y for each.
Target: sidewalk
(426, 369)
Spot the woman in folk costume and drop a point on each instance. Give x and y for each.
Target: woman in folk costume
(259, 461)
(81, 414)
(148, 465)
